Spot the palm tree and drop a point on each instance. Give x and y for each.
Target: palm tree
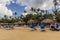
(33, 9)
(5, 19)
(25, 11)
(38, 9)
(55, 4)
(55, 10)
(5, 16)
(10, 17)
(42, 11)
(48, 16)
(46, 11)
(15, 14)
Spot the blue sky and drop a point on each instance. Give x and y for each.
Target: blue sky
(8, 7)
(20, 9)
(16, 8)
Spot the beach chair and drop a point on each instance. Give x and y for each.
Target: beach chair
(57, 27)
(33, 26)
(8, 27)
(42, 26)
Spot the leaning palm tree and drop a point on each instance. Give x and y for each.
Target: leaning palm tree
(25, 11)
(55, 10)
(10, 17)
(42, 11)
(5, 16)
(5, 19)
(15, 14)
(32, 9)
(55, 4)
(46, 11)
(38, 9)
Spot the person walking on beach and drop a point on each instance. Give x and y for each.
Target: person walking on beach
(57, 27)
(52, 27)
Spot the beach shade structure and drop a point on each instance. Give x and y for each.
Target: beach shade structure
(4, 23)
(31, 21)
(47, 21)
(19, 23)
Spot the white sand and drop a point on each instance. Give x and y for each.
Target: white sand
(20, 33)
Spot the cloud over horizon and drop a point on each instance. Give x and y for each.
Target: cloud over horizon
(3, 9)
(42, 4)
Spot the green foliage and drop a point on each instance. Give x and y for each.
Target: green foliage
(39, 16)
(48, 16)
(58, 17)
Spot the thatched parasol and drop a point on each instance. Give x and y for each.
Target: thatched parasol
(31, 21)
(47, 21)
(4, 23)
(20, 22)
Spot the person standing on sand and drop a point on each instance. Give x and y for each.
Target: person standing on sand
(52, 27)
(57, 27)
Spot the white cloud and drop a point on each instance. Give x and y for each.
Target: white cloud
(27, 8)
(58, 1)
(5, 2)
(42, 4)
(29, 12)
(3, 9)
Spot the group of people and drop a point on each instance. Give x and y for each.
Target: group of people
(7, 26)
(43, 26)
(53, 27)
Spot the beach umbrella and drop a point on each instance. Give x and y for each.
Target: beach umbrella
(5, 23)
(19, 22)
(47, 21)
(31, 21)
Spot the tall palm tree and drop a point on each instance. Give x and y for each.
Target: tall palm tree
(46, 11)
(38, 9)
(42, 11)
(33, 9)
(5, 19)
(15, 14)
(25, 11)
(55, 10)
(5, 16)
(10, 17)
(55, 4)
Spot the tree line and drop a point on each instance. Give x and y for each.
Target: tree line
(39, 16)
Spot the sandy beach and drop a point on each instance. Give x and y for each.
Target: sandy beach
(21, 33)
